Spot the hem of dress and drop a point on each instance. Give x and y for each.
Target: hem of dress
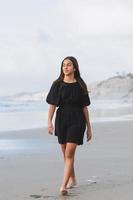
(69, 141)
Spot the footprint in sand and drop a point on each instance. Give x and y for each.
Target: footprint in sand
(35, 196)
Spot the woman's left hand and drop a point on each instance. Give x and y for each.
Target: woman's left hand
(88, 134)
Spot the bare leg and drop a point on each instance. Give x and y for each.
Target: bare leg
(69, 163)
(63, 148)
(72, 180)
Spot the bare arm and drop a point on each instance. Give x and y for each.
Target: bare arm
(86, 113)
(50, 117)
(89, 131)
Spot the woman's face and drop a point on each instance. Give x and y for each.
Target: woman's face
(68, 67)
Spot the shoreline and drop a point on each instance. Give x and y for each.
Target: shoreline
(106, 120)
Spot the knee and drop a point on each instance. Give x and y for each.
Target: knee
(69, 155)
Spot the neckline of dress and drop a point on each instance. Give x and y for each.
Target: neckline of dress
(70, 82)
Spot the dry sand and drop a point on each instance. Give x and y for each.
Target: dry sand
(106, 160)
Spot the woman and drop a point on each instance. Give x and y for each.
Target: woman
(69, 93)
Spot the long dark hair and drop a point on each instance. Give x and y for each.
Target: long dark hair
(76, 74)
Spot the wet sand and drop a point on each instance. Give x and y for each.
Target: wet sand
(103, 166)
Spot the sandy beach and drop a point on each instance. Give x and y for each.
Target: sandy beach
(103, 166)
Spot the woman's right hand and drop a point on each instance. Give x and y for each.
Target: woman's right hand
(50, 128)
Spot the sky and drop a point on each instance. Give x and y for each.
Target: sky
(36, 35)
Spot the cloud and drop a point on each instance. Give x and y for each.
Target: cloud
(37, 35)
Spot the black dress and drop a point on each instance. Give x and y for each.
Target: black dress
(70, 123)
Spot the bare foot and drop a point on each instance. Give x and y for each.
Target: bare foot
(63, 191)
(71, 184)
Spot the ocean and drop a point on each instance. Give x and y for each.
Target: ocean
(18, 115)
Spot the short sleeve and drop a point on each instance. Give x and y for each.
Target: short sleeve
(86, 100)
(53, 95)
